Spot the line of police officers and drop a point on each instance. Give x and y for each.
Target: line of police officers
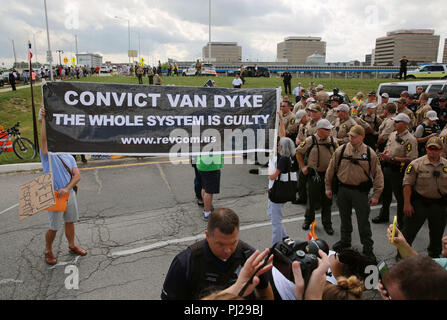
(347, 150)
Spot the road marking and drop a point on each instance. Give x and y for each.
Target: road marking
(65, 263)
(146, 163)
(162, 244)
(5, 281)
(12, 207)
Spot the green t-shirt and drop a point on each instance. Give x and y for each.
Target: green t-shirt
(211, 162)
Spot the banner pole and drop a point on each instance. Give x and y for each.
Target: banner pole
(36, 135)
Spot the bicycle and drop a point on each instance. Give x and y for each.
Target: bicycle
(23, 147)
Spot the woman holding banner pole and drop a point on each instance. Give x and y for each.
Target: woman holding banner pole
(65, 177)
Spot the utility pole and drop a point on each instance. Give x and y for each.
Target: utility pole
(35, 47)
(49, 56)
(60, 51)
(209, 34)
(14, 50)
(76, 46)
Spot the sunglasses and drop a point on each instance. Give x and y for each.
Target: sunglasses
(433, 148)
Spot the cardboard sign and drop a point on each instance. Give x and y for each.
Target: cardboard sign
(36, 195)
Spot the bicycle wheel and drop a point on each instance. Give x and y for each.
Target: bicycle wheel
(24, 148)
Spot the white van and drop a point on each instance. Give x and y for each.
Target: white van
(394, 89)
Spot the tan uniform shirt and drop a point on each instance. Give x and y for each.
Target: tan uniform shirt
(386, 128)
(341, 134)
(409, 113)
(372, 120)
(298, 106)
(354, 174)
(302, 132)
(420, 114)
(290, 123)
(419, 174)
(406, 148)
(322, 96)
(362, 122)
(443, 137)
(321, 162)
(380, 110)
(331, 116)
(311, 128)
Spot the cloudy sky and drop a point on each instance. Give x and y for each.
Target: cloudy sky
(178, 29)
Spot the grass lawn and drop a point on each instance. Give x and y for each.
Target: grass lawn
(16, 106)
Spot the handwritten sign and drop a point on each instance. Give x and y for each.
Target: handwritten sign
(36, 195)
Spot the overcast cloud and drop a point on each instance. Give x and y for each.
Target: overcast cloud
(178, 29)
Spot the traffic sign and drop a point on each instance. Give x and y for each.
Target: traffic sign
(65, 60)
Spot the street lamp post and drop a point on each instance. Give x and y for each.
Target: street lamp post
(128, 32)
(49, 56)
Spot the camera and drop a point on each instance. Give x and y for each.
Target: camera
(305, 252)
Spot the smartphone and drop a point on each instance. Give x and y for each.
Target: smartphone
(394, 229)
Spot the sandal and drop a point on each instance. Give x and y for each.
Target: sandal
(77, 250)
(49, 258)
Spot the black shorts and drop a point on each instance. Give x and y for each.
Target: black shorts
(210, 181)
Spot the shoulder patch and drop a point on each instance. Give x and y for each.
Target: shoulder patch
(292, 121)
(445, 170)
(303, 144)
(409, 168)
(442, 139)
(345, 126)
(402, 142)
(409, 147)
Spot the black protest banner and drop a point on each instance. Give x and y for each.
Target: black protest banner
(96, 118)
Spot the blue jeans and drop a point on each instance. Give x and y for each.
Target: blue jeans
(274, 212)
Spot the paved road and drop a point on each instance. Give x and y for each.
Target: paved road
(134, 218)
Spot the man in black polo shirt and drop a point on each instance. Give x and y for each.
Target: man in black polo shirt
(287, 79)
(212, 264)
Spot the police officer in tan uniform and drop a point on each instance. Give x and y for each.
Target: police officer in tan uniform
(321, 94)
(423, 108)
(400, 150)
(302, 119)
(289, 120)
(425, 194)
(331, 115)
(355, 169)
(343, 124)
(315, 116)
(386, 127)
(372, 119)
(443, 137)
(317, 151)
(380, 109)
(401, 108)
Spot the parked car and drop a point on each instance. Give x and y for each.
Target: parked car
(251, 72)
(208, 69)
(430, 71)
(394, 89)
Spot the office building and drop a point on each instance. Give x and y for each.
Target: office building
(89, 60)
(444, 58)
(418, 45)
(297, 49)
(223, 52)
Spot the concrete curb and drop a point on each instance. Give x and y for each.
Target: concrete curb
(17, 167)
(21, 167)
